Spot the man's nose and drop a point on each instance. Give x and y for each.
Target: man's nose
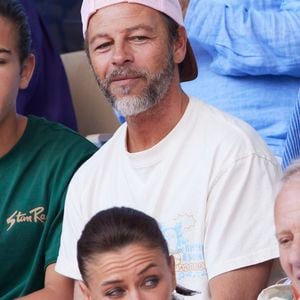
(121, 54)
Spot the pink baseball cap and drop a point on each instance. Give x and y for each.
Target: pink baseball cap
(188, 67)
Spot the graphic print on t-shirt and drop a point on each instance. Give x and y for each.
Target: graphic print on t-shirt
(188, 254)
(34, 215)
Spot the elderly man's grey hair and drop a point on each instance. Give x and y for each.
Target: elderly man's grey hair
(292, 172)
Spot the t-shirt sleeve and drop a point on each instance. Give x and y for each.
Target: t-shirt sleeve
(66, 166)
(54, 232)
(72, 226)
(239, 222)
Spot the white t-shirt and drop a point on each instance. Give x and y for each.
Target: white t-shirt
(210, 183)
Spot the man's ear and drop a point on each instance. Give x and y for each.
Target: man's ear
(85, 290)
(26, 71)
(180, 46)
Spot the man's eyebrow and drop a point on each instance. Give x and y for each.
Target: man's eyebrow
(4, 50)
(282, 232)
(98, 35)
(147, 28)
(140, 26)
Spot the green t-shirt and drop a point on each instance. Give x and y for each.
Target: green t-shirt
(34, 177)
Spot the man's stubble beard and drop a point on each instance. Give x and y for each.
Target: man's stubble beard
(157, 87)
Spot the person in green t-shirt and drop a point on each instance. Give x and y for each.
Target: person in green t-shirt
(37, 161)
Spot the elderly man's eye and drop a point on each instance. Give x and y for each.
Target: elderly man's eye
(285, 241)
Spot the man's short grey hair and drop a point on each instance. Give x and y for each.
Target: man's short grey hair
(292, 172)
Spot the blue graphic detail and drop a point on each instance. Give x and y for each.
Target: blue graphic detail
(189, 258)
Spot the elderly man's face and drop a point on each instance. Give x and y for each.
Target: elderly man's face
(131, 56)
(287, 221)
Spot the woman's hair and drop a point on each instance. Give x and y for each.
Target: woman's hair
(14, 12)
(116, 228)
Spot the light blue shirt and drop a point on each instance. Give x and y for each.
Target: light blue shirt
(248, 55)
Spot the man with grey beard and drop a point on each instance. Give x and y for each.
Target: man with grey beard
(206, 177)
(157, 87)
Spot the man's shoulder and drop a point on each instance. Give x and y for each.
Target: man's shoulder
(220, 124)
(217, 117)
(227, 138)
(105, 158)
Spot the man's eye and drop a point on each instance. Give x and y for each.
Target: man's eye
(2, 62)
(151, 282)
(285, 241)
(103, 46)
(115, 293)
(139, 38)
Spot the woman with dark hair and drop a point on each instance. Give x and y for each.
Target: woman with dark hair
(122, 254)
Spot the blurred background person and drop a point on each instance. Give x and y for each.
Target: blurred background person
(48, 93)
(248, 55)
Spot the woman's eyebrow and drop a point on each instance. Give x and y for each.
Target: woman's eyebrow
(118, 281)
(151, 265)
(109, 282)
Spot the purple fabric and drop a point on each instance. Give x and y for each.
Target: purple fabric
(48, 93)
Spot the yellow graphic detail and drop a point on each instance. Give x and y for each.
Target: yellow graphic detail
(193, 266)
(36, 215)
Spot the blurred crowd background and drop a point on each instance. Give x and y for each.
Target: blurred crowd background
(62, 19)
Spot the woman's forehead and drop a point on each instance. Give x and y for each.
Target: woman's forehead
(132, 257)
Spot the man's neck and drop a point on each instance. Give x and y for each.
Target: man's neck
(147, 129)
(11, 130)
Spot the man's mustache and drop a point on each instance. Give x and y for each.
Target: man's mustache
(123, 73)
